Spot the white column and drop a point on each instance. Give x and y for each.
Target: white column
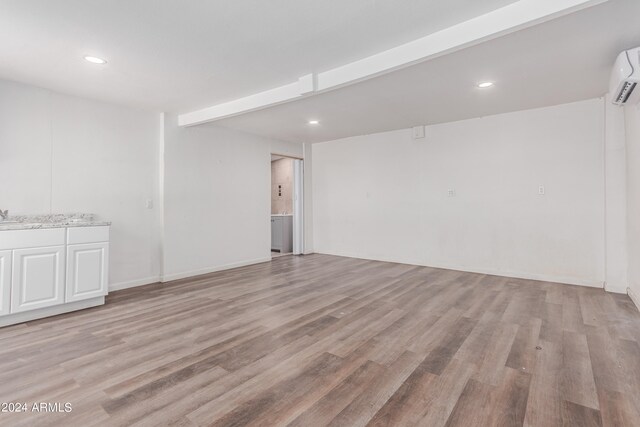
(615, 199)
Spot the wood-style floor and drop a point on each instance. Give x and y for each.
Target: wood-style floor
(321, 340)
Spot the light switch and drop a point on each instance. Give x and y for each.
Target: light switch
(418, 132)
(451, 192)
(149, 204)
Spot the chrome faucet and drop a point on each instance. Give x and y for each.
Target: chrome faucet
(4, 214)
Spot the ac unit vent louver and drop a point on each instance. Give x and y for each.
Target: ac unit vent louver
(625, 78)
(625, 93)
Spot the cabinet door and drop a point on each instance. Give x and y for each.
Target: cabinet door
(87, 271)
(5, 282)
(287, 234)
(273, 233)
(37, 278)
(276, 233)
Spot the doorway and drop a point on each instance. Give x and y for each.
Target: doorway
(286, 206)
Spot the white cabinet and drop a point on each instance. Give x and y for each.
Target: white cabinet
(37, 278)
(5, 282)
(49, 271)
(282, 233)
(87, 271)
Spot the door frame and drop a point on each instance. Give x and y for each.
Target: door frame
(298, 202)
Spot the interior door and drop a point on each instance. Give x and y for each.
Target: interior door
(37, 278)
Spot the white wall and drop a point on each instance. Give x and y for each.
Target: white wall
(385, 196)
(61, 154)
(216, 197)
(632, 122)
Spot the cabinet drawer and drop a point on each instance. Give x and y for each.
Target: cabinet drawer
(76, 235)
(19, 239)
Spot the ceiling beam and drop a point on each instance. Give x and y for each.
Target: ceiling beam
(508, 19)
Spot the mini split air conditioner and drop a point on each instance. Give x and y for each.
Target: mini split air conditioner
(625, 78)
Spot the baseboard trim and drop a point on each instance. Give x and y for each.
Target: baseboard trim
(634, 298)
(133, 283)
(201, 271)
(492, 272)
(616, 289)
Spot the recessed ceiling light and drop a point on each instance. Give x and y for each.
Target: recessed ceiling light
(485, 85)
(313, 122)
(95, 60)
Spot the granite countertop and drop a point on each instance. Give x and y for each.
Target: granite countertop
(33, 222)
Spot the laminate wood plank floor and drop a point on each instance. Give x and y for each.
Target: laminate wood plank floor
(321, 340)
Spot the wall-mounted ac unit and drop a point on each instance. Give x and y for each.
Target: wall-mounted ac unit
(625, 78)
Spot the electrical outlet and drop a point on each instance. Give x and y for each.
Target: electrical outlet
(149, 204)
(541, 190)
(418, 132)
(451, 192)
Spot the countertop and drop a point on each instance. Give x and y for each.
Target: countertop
(34, 222)
(281, 214)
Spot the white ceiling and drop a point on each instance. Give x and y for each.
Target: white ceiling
(564, 60)
(178, 56)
